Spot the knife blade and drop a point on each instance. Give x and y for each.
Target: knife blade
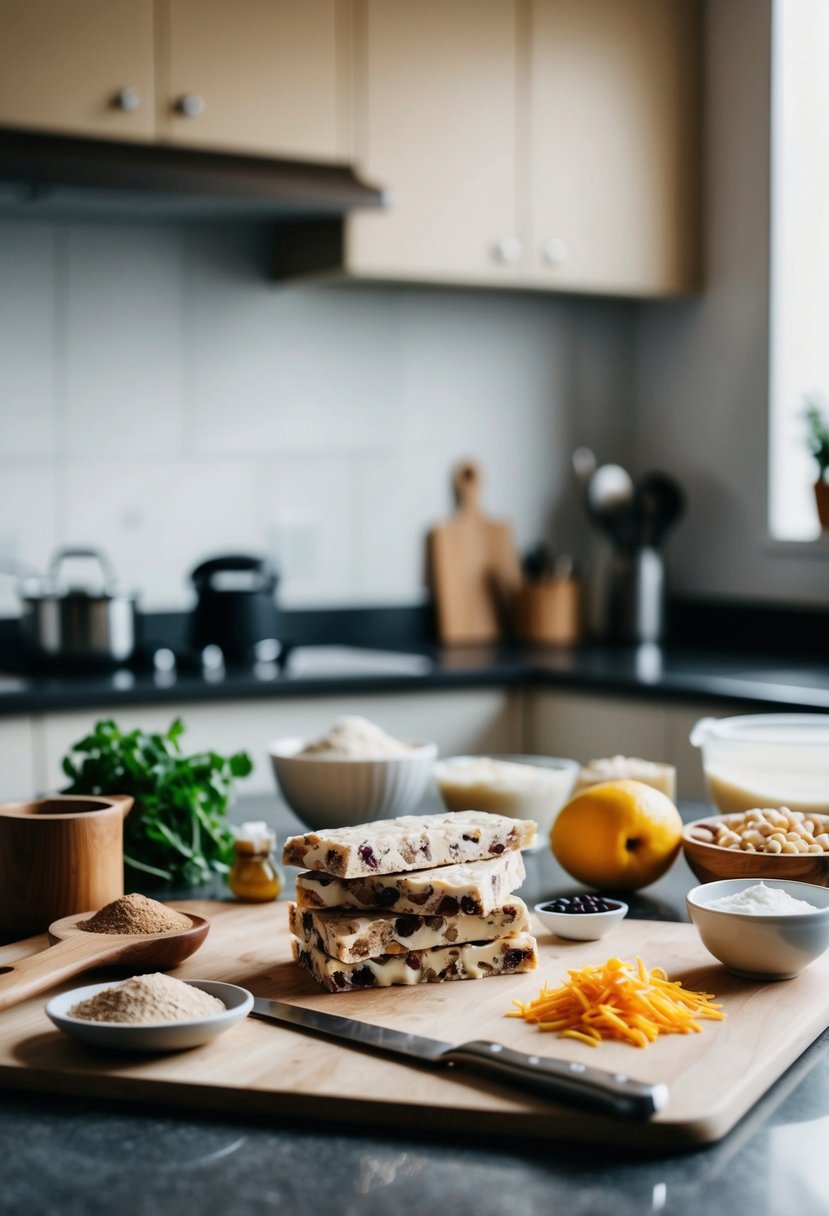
(567, 1081)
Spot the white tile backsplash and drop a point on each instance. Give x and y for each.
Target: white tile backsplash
(176, 403)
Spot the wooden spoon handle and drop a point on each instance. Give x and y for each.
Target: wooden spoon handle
(20, 980)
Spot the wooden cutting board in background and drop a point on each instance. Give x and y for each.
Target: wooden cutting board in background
(257, 1068)
(474, 569)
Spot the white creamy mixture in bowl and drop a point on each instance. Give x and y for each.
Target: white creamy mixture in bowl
(522, 787)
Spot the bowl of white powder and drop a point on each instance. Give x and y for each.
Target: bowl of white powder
(768, 930)
(354, 773)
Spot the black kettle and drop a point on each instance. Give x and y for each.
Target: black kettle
(236, 607)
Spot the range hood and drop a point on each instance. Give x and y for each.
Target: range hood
(52, 176)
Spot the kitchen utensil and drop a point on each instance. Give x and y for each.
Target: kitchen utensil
(262, 1072)
(759, 760)
(58, 856)
(474, 567)
(581, 926)
(78, 623)
(170, 1036)
(236, 607)
(611, 503)
(336, 791)
(576, 1083)
(661, 503)
(76, 950)
(764, 946)
(710, 862)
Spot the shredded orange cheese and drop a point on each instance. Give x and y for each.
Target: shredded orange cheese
(618, 1000)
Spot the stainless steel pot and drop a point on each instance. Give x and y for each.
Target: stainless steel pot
(87, 623)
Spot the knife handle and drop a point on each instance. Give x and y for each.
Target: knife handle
(568, 1080)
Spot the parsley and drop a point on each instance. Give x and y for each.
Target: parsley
(177, 831)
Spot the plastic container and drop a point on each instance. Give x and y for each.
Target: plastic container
(766, 760)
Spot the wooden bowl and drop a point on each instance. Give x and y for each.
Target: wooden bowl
(711, 862)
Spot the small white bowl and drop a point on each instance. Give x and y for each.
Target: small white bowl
(166, 1036)
(328, 791)
(765, 946)
(581, 926)
(540, 793)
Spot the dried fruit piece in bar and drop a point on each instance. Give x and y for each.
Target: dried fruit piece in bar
(394, 846)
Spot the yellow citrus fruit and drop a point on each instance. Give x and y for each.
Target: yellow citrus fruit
(620, 835)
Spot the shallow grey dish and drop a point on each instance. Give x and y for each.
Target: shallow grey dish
(167, 1036)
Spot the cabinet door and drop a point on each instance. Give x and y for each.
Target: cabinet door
(81, 67)
(613, 130)
(435, 122)
(262, 76)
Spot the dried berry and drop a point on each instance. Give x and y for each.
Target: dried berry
(368, 857)
(405, 926)
(413, 961)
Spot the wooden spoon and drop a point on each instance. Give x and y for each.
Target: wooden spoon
(75, 950)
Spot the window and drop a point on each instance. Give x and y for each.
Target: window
(799, 259)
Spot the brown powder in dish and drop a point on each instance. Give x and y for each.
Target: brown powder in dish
(135, 914)
(148, 1000)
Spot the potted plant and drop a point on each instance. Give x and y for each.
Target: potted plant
(818, 441)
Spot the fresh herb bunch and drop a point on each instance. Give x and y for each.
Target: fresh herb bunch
(177, 831)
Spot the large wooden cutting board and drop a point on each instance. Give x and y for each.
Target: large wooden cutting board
(474, 569)
(259, 1068)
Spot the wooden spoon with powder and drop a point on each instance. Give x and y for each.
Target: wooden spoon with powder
(126, 932)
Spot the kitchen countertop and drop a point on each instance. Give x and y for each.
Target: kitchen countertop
(670, 673)
(86, 1158)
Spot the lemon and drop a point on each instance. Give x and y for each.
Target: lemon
(620, 835)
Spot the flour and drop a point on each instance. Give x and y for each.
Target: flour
(761, 900)
(355, 738)
(149, 1000)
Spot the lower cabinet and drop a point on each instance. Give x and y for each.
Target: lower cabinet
(591, 725)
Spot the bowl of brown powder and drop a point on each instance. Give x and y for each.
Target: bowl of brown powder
(151, 1013)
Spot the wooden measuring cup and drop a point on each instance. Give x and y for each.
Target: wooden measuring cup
(59, 855)
(76, 950)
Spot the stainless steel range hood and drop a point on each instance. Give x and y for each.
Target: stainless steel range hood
(52, 176)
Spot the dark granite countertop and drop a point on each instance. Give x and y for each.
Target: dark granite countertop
(670, 673)
(85, 1158)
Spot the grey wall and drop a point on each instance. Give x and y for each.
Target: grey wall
(702, 366)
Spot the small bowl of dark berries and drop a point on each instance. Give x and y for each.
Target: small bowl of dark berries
(581, 918)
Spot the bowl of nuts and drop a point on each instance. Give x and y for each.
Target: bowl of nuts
(765, 842)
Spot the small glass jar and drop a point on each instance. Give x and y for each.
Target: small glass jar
(254, 876)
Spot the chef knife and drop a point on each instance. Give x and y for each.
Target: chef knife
(567, 1081)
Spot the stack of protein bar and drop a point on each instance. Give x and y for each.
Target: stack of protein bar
(414, 900)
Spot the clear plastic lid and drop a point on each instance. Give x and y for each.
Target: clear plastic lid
(766, 730)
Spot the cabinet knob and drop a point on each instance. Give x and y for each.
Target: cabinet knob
(127, 100)
(554, 251)
(509, 250)
(190, 105)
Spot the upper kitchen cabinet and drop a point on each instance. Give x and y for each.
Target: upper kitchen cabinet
(78, 67)
(436, 122)
(613, 129)
(264, 76)
(548, 145)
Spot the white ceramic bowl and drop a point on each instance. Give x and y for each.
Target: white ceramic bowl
(167, 1036)
(768, 946)
(581, 926)
(337, 791)
(539, 794)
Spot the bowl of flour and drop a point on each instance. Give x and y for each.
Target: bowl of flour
(768, 930)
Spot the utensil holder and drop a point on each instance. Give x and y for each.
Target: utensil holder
(59, 856)
(551, 612)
